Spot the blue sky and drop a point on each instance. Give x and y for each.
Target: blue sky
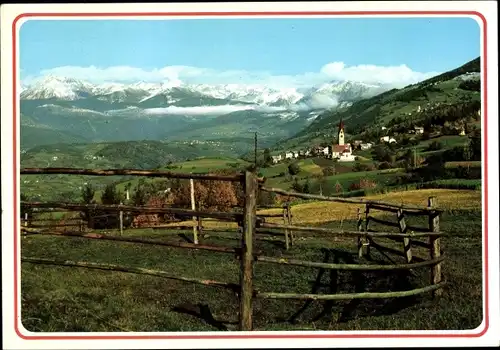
(255, 48)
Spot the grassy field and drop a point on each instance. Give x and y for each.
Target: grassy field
(76, 299)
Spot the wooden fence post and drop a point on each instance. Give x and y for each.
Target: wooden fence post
(246, 273)
(285, 219)
(193, 207)
(121, 221)
(360, 228)
(26, 219)
(289, 214)
(406, 240)
(435, 246)
(366, 240)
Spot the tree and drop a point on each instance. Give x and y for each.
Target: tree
(296, 186)
(268, 160)
(328, 171)
(139, 197)
(88, 194)
(293, 169)
(26, 210)
(435, 146)
(306, 188)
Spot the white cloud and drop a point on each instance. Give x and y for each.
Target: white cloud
(367, 73)
(199, 110)
(396, 76)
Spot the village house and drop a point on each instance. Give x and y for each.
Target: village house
(276, 159)
(388, 139)
(357, 143)
(366, 146)
(295, 154)
(289, 155)
(419, 130)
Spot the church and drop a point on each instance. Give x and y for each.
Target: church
(342, 151)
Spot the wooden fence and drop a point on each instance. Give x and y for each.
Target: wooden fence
(251, 224)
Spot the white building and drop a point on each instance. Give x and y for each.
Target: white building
(384, 139)
(276, 159)
(419, 130)
(347, 157)
(366, 146)
(289, 155)
(295, 154)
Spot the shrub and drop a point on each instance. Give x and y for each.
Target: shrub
(293, 169)
(435, 146)
(328, 171)
(384, 166)
(363, 184)
(362, 167)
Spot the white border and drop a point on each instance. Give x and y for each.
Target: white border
(9, 12)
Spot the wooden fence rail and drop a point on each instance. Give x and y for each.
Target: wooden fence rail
(251, 224)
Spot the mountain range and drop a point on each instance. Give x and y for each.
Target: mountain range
(58, 109)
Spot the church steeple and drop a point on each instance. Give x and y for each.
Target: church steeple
(341, 133)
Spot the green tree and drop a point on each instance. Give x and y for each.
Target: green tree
(306, 188)
(268, 160)
(25, 209)
(297, 186)
(111, 195)
(293, 169)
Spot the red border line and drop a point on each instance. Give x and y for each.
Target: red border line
(17, 318)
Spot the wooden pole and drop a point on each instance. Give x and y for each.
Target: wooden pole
(193, 208)
(360, 229)
(289, 214)
(255, 150)
(435, 243)
(285, 219)
(366, 240)
(406, 240)
(128, 269)
(246, 275)
(26, 219)
(121, 221)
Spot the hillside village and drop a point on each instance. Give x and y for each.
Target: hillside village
(343, 151)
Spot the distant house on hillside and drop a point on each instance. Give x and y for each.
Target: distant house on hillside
(356, 143)
(419, 130)
(387, 139)
(365, 146)
(289, 155)
(276, 159)
(295, 154)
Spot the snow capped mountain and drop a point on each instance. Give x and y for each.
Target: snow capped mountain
(52, 87)
(176, 110)
(57, 87)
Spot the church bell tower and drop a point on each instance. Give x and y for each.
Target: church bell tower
(341, 133)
